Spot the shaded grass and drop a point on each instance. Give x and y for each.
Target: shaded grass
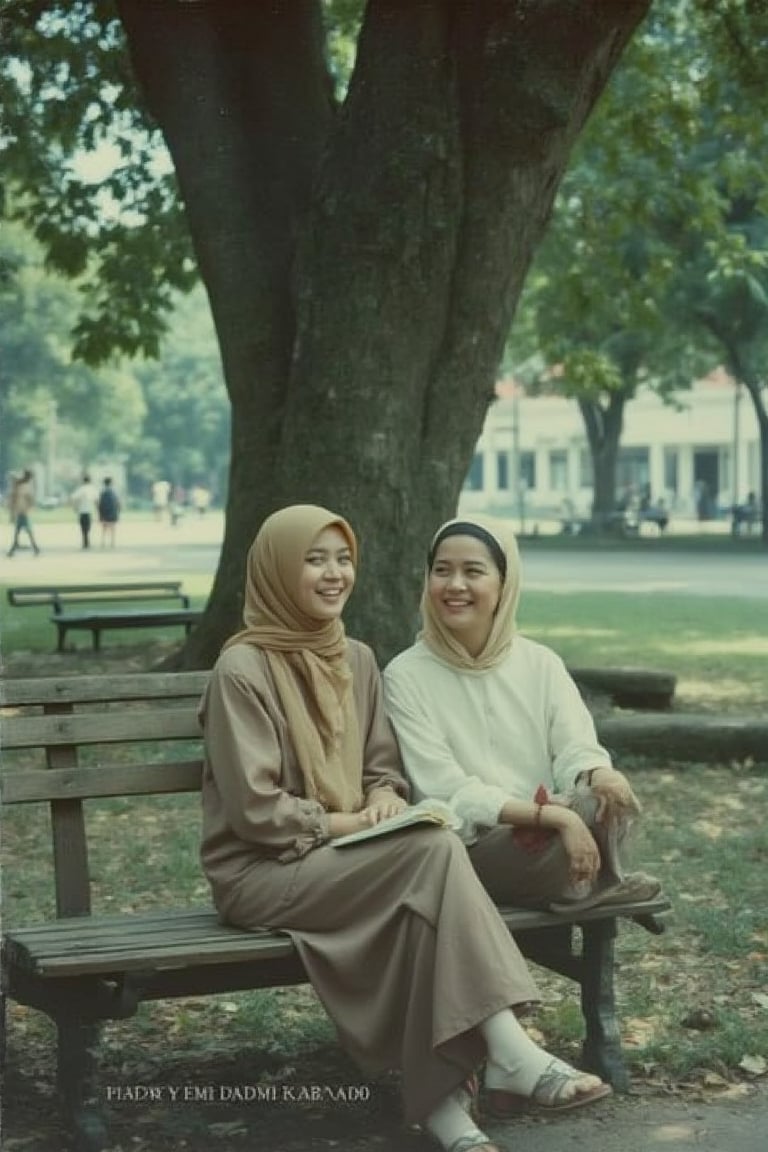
(704, 834)
(717, 648)
(714, 954)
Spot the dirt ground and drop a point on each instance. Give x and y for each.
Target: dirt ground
(324, 1105)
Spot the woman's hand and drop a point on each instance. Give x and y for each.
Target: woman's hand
(613, 794)
(578, 842)
(382, 803)
(344, 823)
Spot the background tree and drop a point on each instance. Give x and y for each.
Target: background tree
(649, 250)
(40, 385)
(185, 436)
(165, 415)
(362, 257)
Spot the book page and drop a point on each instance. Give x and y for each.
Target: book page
(425, 812)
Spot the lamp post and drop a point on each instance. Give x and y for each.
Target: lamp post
(50, 479)
(520, 484)
(736, 437)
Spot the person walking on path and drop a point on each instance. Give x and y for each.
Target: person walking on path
(84, 500)
(404, 948)
(20, 504)
(161, 492)
(109, 512)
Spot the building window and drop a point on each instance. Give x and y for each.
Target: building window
(632, 468)
(586, 473)
(671, 470)
(475, 480)
(502, 471)
(528, 470)
(558, 471)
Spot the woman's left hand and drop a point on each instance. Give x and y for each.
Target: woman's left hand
(613, 793)
(383, 802)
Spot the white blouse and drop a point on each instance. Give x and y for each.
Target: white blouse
(476, 739)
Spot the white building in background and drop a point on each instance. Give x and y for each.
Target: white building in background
(711, 437)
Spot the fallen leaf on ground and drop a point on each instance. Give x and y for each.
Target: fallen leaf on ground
(755, 1065)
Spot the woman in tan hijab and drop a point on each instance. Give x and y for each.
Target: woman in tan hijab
(491, 723)
(398, 937)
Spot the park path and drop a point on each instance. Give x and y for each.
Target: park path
(147, 549)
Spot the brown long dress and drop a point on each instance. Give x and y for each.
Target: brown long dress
(398, 937)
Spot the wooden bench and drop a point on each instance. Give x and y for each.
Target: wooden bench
(123, 599)
(94, 737)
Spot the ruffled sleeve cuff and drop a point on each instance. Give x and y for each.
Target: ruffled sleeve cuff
(313, 832)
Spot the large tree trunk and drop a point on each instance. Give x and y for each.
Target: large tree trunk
(603, 424)
(364, 266)
(758, 393)
(741, 363)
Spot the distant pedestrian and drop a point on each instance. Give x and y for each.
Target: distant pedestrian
(84, 500)
(178, 500)
(201, 498)
(20, 503)
(161, 492)
(109, 512)
(703, 500)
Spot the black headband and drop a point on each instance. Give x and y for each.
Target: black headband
(467, 528)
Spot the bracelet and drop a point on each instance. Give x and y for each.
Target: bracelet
(587, 776)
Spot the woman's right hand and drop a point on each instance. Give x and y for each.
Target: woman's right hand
(344, 823)
(580, 846)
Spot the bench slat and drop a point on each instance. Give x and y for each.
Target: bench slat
(126, 726)
(97, 689)
(27, 595)
(94, 945)
(36, 784)
(128, 618)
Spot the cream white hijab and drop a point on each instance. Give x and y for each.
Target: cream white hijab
(439, 638)
(307, 657)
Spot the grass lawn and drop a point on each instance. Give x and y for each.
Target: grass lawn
(693, 1002)
(717, 647)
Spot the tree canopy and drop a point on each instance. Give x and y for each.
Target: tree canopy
(362, 244)
(655, 266)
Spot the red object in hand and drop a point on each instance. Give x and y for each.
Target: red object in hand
(534, 839)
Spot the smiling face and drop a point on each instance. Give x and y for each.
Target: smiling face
(327, 575)
(464, 589)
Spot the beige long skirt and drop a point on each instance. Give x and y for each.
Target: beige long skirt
(404, 948)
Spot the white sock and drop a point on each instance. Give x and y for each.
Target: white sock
(515, 1062)
(449, 1122)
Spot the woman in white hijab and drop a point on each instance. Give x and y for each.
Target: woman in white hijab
(491, 723)
(397, 935)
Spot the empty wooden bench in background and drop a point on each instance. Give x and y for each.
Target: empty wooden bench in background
(85, 966)
(72, 606)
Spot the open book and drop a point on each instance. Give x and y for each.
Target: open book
(425, 812)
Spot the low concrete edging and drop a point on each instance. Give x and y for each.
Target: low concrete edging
(686, 736)
(628, 687)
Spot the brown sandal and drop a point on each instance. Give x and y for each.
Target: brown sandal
(470, 1144)
(547, 1096)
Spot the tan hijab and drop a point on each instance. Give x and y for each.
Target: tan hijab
(307, 657)
(441, 640)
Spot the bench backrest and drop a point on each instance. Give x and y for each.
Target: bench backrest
(60, 595)
(109, 716)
